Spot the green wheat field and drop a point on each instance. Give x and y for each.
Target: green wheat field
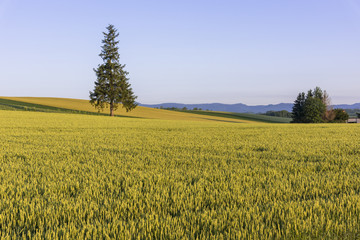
(159, 174)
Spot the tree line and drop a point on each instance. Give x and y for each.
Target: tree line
(282, 113)
(182, 109)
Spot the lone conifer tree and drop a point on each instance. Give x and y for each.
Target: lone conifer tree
(112, 86)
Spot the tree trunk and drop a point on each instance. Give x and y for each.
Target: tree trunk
(111, 109)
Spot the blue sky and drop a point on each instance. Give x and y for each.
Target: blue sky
(189, 51)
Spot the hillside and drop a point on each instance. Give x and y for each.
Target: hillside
(245, 116)
(68, 105)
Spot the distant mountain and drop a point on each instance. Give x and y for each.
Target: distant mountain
(239, 107)
(348, 106)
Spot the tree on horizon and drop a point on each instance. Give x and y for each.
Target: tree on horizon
(112, 86)
(315, 107)
(310, 107)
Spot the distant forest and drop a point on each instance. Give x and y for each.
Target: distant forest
(353, 112)
(282, 113)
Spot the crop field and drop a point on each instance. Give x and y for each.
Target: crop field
(73, 176)
(68, 105)
(83, 106)
(244, 116)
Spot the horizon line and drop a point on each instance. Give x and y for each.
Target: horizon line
(183, 103)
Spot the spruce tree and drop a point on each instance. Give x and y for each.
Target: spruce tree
(298, 109)
(112, 86)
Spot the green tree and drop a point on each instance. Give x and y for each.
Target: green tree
(112, 86)
(298, 109)
(340, 115)
(314, 110)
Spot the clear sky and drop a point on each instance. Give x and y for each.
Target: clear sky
(186, 51)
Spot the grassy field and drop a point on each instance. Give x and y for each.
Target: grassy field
(242, 116)
(140, 112)
(72, 176)
(67, 105)
(14, 105)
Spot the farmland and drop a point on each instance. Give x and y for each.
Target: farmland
(83, 106)
(74, 176)
(67, 105)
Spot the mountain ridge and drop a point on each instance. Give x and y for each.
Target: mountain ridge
(240, 107)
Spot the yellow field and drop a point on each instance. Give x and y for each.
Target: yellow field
(72, 176)
(142, 112)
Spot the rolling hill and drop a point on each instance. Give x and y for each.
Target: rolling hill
(67, 105)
